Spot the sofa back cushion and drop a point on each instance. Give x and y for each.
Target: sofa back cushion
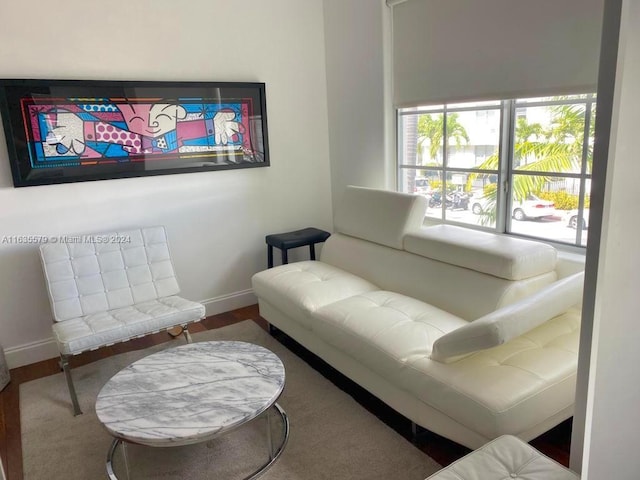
(511, 321)
(499, 255)
(379, 216)
(466, 293)
(102, 272)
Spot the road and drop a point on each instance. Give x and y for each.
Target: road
(553, 228)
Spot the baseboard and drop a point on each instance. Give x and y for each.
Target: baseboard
(45, 349)
(31, 353)
(232, 301)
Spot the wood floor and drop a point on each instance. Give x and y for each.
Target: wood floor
(554, 443)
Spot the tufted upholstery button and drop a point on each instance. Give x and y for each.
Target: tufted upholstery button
(140, 305)
(509, 455)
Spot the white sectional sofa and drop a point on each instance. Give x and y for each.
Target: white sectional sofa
(469, 334)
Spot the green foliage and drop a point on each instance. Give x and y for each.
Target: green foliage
(490, 189)
(436, 185)
(563, 200)
(431, 127)
(526, 132)
(489, 200)
(557, 148)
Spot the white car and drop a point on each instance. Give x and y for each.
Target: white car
(531, 207)
(573, 218)
(480, 204)
(422, 186)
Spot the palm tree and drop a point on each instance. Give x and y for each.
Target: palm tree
(431, 127)
(418, 129)
(526, 131)
(557, 148)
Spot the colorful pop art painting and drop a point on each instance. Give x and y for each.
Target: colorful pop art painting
(64, 131)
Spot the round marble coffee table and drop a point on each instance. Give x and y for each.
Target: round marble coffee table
(191, 394)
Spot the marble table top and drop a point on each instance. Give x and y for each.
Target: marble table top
(190, 393)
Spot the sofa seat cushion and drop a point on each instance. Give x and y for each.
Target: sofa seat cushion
(505, 457)
(508, 388)
(498, 255)
(97, 330)
(383, 330)
(303, 287)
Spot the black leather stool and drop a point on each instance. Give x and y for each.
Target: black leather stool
(284, 241)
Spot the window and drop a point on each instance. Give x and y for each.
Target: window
(517, 166)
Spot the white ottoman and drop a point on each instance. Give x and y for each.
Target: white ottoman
(504, 458)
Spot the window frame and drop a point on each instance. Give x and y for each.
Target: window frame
(506, 171)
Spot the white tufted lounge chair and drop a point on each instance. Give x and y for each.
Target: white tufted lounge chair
(110, 288)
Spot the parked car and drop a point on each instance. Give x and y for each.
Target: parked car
(479, 203)
(422, 186)
(531, 207)
(574, 216)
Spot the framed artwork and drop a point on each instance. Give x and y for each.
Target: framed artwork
(61, 131)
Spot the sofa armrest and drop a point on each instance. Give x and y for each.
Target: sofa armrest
(509, 322)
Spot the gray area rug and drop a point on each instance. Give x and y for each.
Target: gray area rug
(332, 436)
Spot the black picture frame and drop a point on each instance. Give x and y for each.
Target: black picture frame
(61, 131)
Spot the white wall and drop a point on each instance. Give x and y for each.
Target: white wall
(216, 221)
(613, 400)
(359, 126)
